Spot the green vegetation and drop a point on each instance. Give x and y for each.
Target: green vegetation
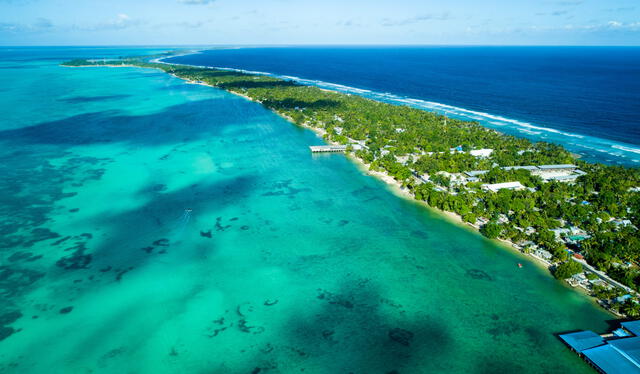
(426, 153)
(491, 230)
(567, 269)
(83, 62)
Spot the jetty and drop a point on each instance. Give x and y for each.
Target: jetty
(327, 148)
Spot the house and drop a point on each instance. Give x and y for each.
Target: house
(476, 173)
(622, 222)
(543, 254)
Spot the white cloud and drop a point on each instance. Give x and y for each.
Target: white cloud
(408, 21)
(121, 21)
(40, 25)
(43, 23)
(196, 2)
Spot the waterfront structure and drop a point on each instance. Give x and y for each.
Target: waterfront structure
(617, 352)
(327, 148)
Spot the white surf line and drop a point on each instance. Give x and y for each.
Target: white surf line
(609, 147)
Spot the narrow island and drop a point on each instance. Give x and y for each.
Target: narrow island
(580, 219)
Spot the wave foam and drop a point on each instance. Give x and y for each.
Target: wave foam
(599, 145)
(626, 149)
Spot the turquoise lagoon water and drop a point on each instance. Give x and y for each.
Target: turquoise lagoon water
(152, 226)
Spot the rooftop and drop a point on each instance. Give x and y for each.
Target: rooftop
(582, 340)
(507, 185)
(475, 173)
(620, 354)
(528, 167)
(560, 166)
(632, 326)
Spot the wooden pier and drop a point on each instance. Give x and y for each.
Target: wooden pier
(327, 148)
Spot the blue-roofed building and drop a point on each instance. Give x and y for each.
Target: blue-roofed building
(617, 353)
(609, 360)
(632, 326)
(581, 340)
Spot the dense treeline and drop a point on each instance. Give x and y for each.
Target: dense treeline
(604, 202)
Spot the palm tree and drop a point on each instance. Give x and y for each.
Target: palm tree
(631, 308)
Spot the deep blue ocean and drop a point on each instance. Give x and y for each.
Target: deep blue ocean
(585, 98)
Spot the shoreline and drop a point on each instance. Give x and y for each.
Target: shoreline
(390, 183)
(627, 158)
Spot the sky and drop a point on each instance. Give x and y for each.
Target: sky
(277, 22)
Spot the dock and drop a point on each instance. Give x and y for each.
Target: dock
(327, 148)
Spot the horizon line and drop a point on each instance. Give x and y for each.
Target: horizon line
(310, 45)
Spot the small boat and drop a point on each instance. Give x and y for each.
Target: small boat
(520, 265)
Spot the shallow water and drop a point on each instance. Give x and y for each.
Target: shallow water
(153, 226)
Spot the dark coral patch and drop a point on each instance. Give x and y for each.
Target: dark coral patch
(66, 310)
(6, 332)
(17, 256)
(161, 242)
(219, 226)
(10, 317)
(159, 188)
(24, 256)
(479, 274)
(14, 280)
(123, 272)
(61, 240)
(40, 234)
(77, 260)
(335, 299)
(401, 336)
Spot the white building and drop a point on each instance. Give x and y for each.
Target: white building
(485, 152)
(502, 186)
